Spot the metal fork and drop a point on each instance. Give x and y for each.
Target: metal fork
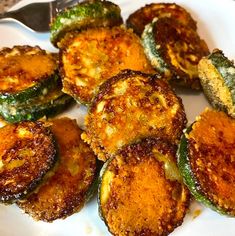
(37, 16)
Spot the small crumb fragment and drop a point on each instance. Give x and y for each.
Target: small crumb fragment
(196, 213)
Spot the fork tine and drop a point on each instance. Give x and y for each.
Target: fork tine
(62, 4)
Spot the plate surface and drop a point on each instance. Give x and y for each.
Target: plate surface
(215, 24)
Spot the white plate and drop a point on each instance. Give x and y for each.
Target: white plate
(216, 20)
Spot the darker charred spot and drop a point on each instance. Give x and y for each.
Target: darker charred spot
(144, 147)
(143, 16)
(107, 86)
(24, 178)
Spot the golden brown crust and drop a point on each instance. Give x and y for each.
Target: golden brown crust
(27, 153)
(22, 67)
(129, 106)
(143, 16)
(211, 154)
(90, 57)
(66, 191)
(181, 48)
(140, 194)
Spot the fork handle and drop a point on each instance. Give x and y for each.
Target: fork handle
(9, 14)
(35, 16)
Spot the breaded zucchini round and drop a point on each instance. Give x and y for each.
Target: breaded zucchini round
(174, 50)
(27, 153)
(129, 106)
(217, 76)
(206, 160)
(68, 189)
(87, 14)
(91, 57)
(141, 191)
(143, 16)
(26, 72)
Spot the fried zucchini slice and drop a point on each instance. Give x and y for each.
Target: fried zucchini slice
(26, 72)
(129, 106)
(206, 160)
(84, 15)
(27, 153)
(174, 50)
(49, 105)
(217, 76)
(92, 56)
(141, 191)
(143, 16)
(67, 190)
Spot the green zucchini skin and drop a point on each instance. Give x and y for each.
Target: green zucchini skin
(188, 177)
(41, 88)
(93, 189)
(224, 70)
(151, 51)
(14, 114)
(86, 14)
(99, 181)
(223, 64)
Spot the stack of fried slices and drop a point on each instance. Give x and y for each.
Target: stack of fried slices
(171, 42)
(135, 119)
(30, 87)
(46, 168)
